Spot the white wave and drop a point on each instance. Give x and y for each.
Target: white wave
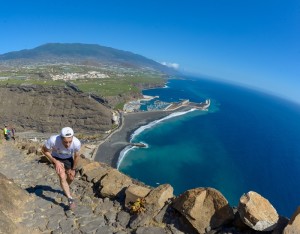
(123, 154)
(150, 125)
(142, 128)
(126, 150)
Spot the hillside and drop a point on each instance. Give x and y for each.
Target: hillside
(85, 54)
(49, 108)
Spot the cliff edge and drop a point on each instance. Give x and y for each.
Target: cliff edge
(110, 202)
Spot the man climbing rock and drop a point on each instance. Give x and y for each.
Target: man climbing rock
(63, 151)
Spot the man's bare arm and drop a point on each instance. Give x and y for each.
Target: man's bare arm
(58, 165)
(76, 159)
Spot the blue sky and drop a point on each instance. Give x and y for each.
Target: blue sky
(256, 43)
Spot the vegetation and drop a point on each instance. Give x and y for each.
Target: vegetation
(106, 87)
(116, 84)
(138, 206)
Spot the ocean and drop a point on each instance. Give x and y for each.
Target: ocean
(246, 141)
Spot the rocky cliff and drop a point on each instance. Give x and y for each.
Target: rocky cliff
(48, 109)
(110, 202)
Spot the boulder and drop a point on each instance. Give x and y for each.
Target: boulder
(89, 167)
(257, 212)
(154, 202)
(12, 197)
(12, 202)
(294, 223)
(158, 197)
(96, 174)
(82, 162)
(114, 183)
(204, 208)
(133, 192)
(88, 150)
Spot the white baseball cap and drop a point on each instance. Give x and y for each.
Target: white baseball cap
(67, 132)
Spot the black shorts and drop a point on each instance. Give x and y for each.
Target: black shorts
(68, 162)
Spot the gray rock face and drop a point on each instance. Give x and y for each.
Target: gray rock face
(47, 109)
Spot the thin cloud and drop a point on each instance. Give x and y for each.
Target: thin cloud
(172, 65)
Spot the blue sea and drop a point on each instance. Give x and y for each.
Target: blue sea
(246, 141)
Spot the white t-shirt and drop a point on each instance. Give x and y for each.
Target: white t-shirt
(54, 144)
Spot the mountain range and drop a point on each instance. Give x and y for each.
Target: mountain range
(86, 54)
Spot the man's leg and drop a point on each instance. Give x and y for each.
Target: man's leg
(64, 184)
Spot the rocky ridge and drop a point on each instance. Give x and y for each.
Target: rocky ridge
(48, 109)
(111, 202)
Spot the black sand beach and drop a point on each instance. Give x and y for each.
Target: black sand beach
(109, 151)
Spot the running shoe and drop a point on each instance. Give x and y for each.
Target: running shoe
(71, 203)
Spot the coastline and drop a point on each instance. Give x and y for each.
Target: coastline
(109, 150)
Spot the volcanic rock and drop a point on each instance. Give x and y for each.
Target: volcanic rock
(204, 208)
(257, 212)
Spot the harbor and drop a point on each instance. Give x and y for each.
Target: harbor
(156, 104)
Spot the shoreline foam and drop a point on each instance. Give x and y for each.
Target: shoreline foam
(143, 128)
(109, 150)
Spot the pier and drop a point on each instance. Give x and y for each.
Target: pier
(200, 106)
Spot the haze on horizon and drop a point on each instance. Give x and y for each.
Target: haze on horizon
(255, 43)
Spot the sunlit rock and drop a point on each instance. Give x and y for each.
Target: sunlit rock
(257, 212)
(204, 208)
(293, 226)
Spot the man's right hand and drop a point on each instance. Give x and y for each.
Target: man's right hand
(59, 167)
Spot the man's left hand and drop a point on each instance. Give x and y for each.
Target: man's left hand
(71, 174)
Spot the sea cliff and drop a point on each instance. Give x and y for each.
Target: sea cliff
(110, 202)
(48, 108)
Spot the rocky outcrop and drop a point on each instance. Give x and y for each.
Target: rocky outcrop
(293, 226)
(12, 197)
(204, 208)
(12, 202)
(114, 184)
(49, 108)
(133, 192)
(111, 202)
(257, 212)
(153, 204)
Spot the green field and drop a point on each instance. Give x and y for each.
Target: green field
(118, 86)
(126, 86)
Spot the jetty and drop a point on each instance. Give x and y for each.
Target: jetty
(200, 106)
(139, 144)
